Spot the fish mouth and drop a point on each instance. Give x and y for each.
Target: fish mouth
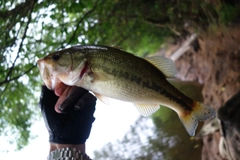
(69, 75)
(49, 79)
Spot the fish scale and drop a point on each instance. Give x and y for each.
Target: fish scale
(153, 80)
(110, 72)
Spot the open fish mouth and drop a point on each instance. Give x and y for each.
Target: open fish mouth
(70, 76)
(50, 80)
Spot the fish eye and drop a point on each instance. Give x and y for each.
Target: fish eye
(56, 57)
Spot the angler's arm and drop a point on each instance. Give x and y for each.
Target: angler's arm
(80, 147)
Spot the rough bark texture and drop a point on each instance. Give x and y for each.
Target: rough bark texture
(216, 65)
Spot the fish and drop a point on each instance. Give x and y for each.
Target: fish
(114, 73)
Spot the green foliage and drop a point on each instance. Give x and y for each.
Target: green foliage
(31, 29)
(228, 13)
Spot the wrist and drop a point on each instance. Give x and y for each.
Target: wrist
(55, 146)
(52, 147)
(67, 153)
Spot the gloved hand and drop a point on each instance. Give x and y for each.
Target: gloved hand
(74, 126)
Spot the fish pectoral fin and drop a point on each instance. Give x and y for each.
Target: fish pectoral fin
(147, 109)
(101, 76)
(164, 64)
(102, 98)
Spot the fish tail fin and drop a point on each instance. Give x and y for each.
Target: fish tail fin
(200, 112)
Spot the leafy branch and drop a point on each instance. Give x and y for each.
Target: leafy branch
(80, 21)
(7, 78)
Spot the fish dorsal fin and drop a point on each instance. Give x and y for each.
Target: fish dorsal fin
(147, 109)
(103, 99)
(164, 64)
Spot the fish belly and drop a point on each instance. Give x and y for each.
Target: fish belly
(126, 90)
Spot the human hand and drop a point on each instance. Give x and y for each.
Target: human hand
(68, 98)
(74, 126)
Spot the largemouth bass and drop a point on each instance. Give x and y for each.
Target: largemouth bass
(110, 72)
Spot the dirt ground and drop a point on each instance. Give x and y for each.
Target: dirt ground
(215, 63)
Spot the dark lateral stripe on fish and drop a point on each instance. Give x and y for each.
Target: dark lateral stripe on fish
(133, 78)
(187, 103)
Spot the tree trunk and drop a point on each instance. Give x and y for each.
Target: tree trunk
(216, 65)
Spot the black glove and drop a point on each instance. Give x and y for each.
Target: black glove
(74, 126)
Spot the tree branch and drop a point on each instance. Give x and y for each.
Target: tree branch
(16, 77)
(184, 47)
(19, 7)
(20, 46)
(14, 15)
(81, 20)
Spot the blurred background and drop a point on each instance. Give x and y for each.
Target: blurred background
(202, 37)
